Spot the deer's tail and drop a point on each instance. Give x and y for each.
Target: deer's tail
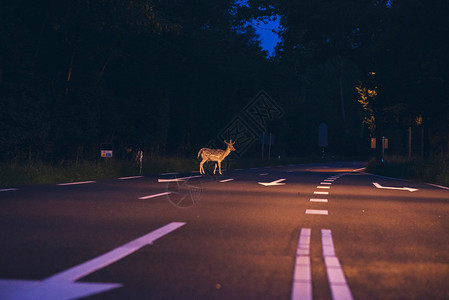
(201, 151)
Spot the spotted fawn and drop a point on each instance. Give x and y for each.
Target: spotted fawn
(216, 155)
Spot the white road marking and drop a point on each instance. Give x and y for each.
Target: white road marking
(276, 182)
(337, 281)
(326, 182)
(395, 188)
(302, 276)
(178, 179)
(75, 183)
(62, 285)
(263, 174)
(317, 212)
(439, 186)
(321, 193)
(154, 196)
(130, 177)
(226, 180)
(318, 200)
(323, 187)
(329, 180)
(8, 190)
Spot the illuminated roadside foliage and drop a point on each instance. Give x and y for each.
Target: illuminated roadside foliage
(367, 97)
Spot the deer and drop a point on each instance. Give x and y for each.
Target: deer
(216, 155)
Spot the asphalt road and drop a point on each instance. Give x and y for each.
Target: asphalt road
(318, 231)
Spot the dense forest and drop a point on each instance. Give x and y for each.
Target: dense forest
(167, 76)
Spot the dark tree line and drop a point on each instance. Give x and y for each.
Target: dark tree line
(166, 76)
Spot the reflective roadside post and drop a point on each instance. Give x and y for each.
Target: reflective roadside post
(322, 138)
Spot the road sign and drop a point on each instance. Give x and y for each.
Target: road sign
(106, 150)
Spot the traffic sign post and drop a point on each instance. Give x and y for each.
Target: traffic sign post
(322, 137)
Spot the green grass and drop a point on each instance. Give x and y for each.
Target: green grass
(431, 170)
(37, 172)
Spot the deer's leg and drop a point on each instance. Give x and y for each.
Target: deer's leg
(219, 167)
(215, 167)
(201, 167)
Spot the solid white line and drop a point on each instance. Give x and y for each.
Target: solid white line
(74, 183)
(130, 177)
(88, 267)
(316, 212)
(321, 193)
(7, 190)
(302, 276)
(153, 196)
(323, 187)
(318, 200)
(337, 281)
(226, 180)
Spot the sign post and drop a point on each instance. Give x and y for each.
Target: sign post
(322, 137)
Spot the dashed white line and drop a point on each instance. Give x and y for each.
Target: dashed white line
(317, 212)
(318, 200)
(326, 182)
(323, 187)
(302, 276)
(321, 193)
(8, 190)
(337, 281)
(130, 177)
(226, 180)
(154, 196)
(75, 183)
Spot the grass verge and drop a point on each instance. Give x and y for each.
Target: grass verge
(432, 170)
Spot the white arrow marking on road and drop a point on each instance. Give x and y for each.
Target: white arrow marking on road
(63, 286)
(395, 188)
(276, 182)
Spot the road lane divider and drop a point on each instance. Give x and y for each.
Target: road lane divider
(336, 278)
(178, 179)
(320, 193)
(226, 180)
(75, 183)
(302, 275)
(130, 177)
(9, 190)
(154, 195)
(318, 200)
(323, 212)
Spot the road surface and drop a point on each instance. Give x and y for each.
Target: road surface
(316, 231)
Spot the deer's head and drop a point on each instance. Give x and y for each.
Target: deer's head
(230, 145)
